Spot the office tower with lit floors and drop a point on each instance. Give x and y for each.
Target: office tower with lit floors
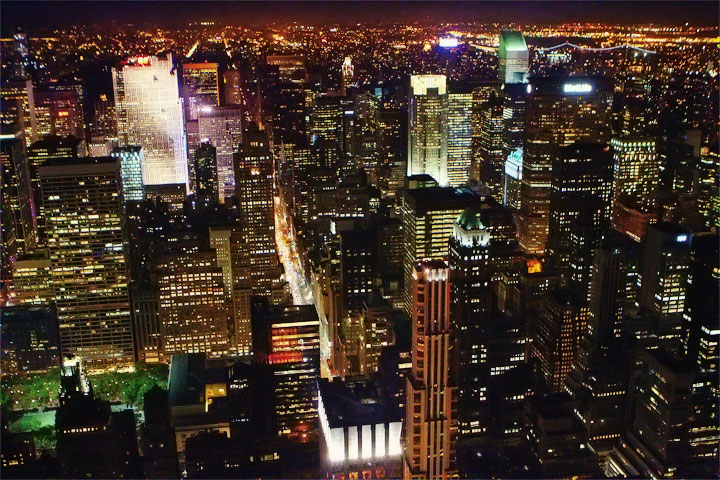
(636, 180)
(131, 162)
(559, 111)
(431, 392)
(459, 141)
(222, 127)
(200, 89)
(580, 197)
(206, 174)
(84, 221)
(428, 127)
(149, 111)
(254, 197)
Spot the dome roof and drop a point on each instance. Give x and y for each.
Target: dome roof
(470, 220)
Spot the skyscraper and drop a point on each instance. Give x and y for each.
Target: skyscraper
(131, 161)
(513, 56)
(428, 127)
(206, 175)
(459, 142)
(491, 160)
(559, 111)
(83, 215)
(200, 89)
(637, 172)
(194, 307)
(254, 195)
(428, 215)
(431, 394)
(222, 126)
(149, 113)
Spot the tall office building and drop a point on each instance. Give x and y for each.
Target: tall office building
(195, 309)
(19, 222)
(288, 339)
(513, 57)
(459, 142)
(206, 175)
(222, 126)
(491, 158)
(637, 174)
(665, 268)
(200, 89)
(428, 215)
(232, 254)
(559, 111)
(131, 161)
(149, 112)
(254, 195)
(391, 155)
(580, 197)
(428, 127)
(59, 110)
(84, 221)
(561, 325)
(431, 394)
(232, 87)
(18, 107)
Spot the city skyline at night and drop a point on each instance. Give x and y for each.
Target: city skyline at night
(343, 240)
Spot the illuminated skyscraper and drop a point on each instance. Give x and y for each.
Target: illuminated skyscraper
(513, 56)
(288, 339)
(325, 120)
(562, 323)
(18, 106)
(59, 110)
(459, 142)
(491, 160)
(131, 161)
(149, 113)
(513, 179)
(428, 215)
(580, 197)
(222, 126)
(18, 232)
(254, 195)
(200, 88)
(348, 70)
(206, 177)
(431, 416)
(194, 307)
(559, 111)
(428, 127)
(637, 174)
(83, 216)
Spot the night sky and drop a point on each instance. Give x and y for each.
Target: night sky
(29, 15)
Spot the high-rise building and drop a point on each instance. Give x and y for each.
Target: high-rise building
(206, 175)
(664, 269)
(131, 158)
(200, 89)
(84, 223)
(428, 216)
(18, 107)
(288, 339)
(254, 195)
(31, 342)
(491, 158)
(222, 126)
(580, 197)
(559, 111)
(326, 120)
(59, 110)
(428, 127)
(513, 57)
(561, 325)
(513, 179)
(232, 255)
(431, 405)
(391, 155)
(459, 141)
(232, 81)
(149, 112)
(31, 280)
(637, 174)
(195, 309)
(19, 208)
